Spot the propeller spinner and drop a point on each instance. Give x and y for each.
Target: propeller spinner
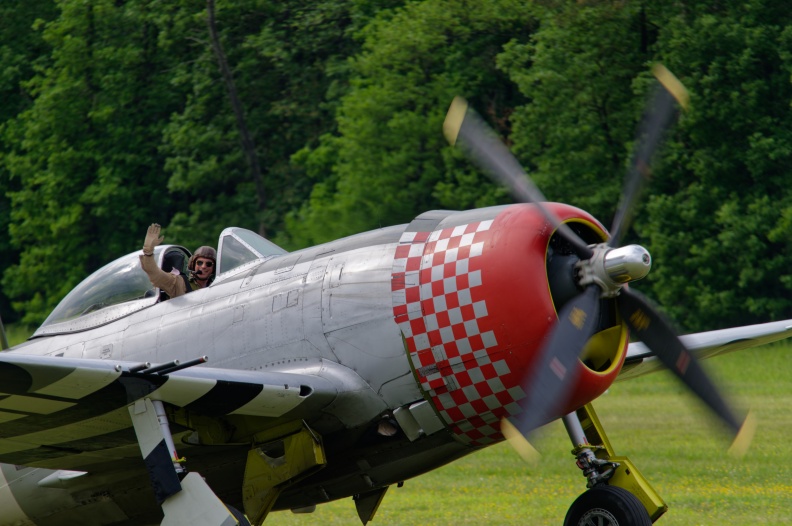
(602, 269)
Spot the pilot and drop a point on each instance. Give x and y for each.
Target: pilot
(202, 267)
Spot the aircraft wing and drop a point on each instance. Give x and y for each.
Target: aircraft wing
(640, 360)
(66, 413)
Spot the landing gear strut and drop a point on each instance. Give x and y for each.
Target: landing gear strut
(185, 497)
(618, 495)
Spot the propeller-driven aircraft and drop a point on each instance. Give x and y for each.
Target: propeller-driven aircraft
(342, 369)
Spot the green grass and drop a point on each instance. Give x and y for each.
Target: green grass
(665, 432)
(652, 420)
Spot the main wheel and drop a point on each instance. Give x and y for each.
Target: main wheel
(607, 506)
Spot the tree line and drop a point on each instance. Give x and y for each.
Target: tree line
(308, 121)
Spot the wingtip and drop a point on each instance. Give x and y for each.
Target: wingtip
(742, 441)
(454, 118)
(672, 84)
(519, 442)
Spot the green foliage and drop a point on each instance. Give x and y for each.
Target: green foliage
(389, 161)
(711, 217)
(115, 115)
(83, 157)
(577, 73)
(129, 123)
(289, 62)
(16, 334)
(22, 49)
(716, 220)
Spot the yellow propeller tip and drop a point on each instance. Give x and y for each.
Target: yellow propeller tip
(519, 442)
(744, 437)
(454, 117)
(672, 84)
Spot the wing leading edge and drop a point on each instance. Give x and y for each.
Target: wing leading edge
(62, 413)
(640, 360)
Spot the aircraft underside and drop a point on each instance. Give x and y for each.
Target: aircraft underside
(125, 497)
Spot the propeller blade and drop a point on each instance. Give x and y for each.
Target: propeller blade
(652, 329)
(518, 442)
(465, 128)
(659, 116)
(557, 371)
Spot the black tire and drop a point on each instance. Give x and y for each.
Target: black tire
(607, 506)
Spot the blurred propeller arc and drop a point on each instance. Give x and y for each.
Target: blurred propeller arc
(549, 383)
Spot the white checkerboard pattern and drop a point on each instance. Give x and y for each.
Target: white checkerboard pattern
(438, 303)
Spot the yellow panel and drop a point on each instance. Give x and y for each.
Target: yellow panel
(628, 477)
(604, 348)
(266, 476)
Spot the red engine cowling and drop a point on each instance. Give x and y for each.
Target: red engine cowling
(473, 300)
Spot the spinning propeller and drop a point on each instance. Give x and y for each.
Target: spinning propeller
(602, 269)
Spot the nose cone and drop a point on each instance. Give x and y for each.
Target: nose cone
(629, 263)
(472, 299)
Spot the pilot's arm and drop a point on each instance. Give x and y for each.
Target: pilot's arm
(172, 284)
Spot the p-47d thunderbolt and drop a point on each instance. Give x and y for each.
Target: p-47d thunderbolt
(339, 370)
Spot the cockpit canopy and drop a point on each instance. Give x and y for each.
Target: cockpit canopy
(239, 246)
(120, 288)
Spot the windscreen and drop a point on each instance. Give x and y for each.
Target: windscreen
(118, 282)
(239, 246)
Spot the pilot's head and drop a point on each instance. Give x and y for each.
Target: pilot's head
(203, 263)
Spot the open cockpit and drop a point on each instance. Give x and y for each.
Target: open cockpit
(121, 287)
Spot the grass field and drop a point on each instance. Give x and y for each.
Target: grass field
(671, 439)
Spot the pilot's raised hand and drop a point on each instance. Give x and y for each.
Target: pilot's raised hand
(153, 238)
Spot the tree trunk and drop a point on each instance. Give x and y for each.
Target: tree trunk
(248, 145)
